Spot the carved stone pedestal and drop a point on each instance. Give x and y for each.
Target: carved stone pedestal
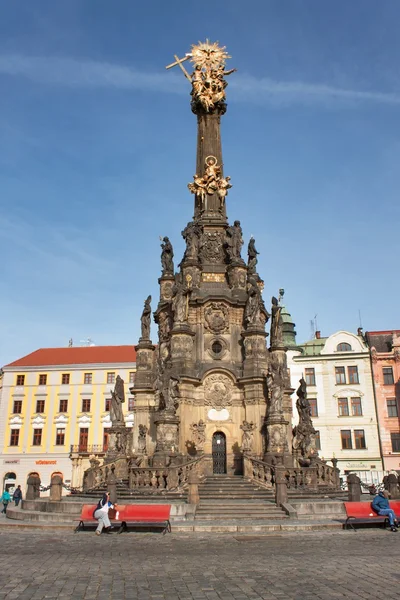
(255, 352)
(119, 442)
(182, 339)
(167, 439)
(237, 276)
(277, 451)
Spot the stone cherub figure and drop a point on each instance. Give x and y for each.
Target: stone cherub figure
(146, 319)
(167, 255)
(117, 399)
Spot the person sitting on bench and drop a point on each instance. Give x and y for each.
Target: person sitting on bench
(380, 505)
(101, 514)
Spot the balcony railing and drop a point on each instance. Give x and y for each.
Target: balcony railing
(89, 449)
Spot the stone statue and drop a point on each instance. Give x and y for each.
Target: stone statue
(146, 319)
(304, 432)
(191, 235)
(164, 324)
(223, 186)
(120, 442)
(173, 396)
(254, 306)
(179, 302)
(252, 256)
(247, 437)
(234, 242)
(276, 324)
(142, 438)
(167, 255)
(275, 390)
(117, 398)
(199, 434)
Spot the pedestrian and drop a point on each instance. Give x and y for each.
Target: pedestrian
(101, 514)
(17, 495)
(380, 505)
(5, 500)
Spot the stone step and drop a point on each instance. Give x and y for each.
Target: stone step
(241, 517)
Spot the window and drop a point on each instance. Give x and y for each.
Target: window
(40, 406)
(60, 437)
(340, 375)
(356, 407)
(37, 437)
(105, 440)
(107, 405)
(353, 374)
(310, 376)
(313, 407)
(86, 405)
(14, 438)
(317, 440)
(110, 377)
(345, 434)
(132, 376)
(131, 403)
(359, 438)
(388, 376)
(87, 378)
(391, 404)
(17, 407)
(343, 347)
(42, 379)
(83, 438)
(65, 379)
(395, 437)
(63, 405)
(343, 407)
(20, 379)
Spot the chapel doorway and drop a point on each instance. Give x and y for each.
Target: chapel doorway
(219, 453)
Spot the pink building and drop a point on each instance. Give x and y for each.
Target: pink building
(385, 358)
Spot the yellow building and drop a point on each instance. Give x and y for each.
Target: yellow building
(55, 410)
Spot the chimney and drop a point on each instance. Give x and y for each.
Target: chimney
(317, 335)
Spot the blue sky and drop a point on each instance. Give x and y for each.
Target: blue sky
(98, 144)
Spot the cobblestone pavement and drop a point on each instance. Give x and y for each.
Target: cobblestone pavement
(297, 566)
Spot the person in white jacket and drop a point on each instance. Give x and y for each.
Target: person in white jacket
(101, 514)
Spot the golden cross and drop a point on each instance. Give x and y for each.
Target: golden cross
(179, 61)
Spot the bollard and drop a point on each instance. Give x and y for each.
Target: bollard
(193, 495)
(354, 485)
(281, 495)
(392, 486)
(56, 488)
(112, 485)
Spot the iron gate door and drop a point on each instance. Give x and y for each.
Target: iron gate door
(219, 453)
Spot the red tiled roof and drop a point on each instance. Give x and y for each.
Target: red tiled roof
(77, 356)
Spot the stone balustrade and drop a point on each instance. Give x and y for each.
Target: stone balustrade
(164, 478)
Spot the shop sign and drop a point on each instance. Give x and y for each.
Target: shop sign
(11, 461)
(46, 462)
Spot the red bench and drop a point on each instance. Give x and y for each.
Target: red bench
(362, 512)
(138, 515)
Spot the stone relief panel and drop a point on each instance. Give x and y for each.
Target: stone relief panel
(218, 389)
(216, 317)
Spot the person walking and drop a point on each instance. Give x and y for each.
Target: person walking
(5, 500)
(101, 514)
(17, 495)
(380, 505)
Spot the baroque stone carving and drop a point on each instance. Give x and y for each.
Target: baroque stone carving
(254, 347)
(117, 399)
(142, 438)
(276, 324)
(304, 432)
(180, 301)
(237, 277)
(182, 346)
(247, 436)
(216, 317)
(218, 391)
(191, 235)
(211, 247)
(252, 256)
(146, 319)
(275, 390)
(210, 183)
(234, 242)
(167, 255)
(199, 434)
(254, 312)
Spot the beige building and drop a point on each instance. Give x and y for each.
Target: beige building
(55, 410)
(337, 370)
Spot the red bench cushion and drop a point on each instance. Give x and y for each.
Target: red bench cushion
(360, 510)
(151, 513)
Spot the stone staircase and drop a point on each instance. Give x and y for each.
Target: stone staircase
(225, 498)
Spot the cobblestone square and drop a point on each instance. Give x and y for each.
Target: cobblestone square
(150, 566)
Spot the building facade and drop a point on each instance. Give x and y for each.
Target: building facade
(385, 360)
(340, 389)
(55, 407)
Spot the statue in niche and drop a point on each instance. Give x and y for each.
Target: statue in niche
(146, 319)
(304, 432)
(142, 438)
(180, 301)
(191, 235)
(120, 442)
(199, 434)
(117, 399)
(167, 255)
(247, 437)
(164, 324)
(275, 389)
(276, 324)
(252, 256)
(254, 306)
(234, 242)
(173, 395)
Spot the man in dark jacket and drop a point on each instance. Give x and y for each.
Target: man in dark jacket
(380, 505)
(101, 514)
(17, 495)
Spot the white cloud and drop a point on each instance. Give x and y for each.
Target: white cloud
(87, 73)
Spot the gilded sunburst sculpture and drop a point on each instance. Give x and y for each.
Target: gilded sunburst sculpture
(208, 55)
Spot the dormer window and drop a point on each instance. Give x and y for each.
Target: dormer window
(343, 347)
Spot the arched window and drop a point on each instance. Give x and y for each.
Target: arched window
(343, 347)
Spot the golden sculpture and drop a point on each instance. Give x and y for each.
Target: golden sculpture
(210, 183)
